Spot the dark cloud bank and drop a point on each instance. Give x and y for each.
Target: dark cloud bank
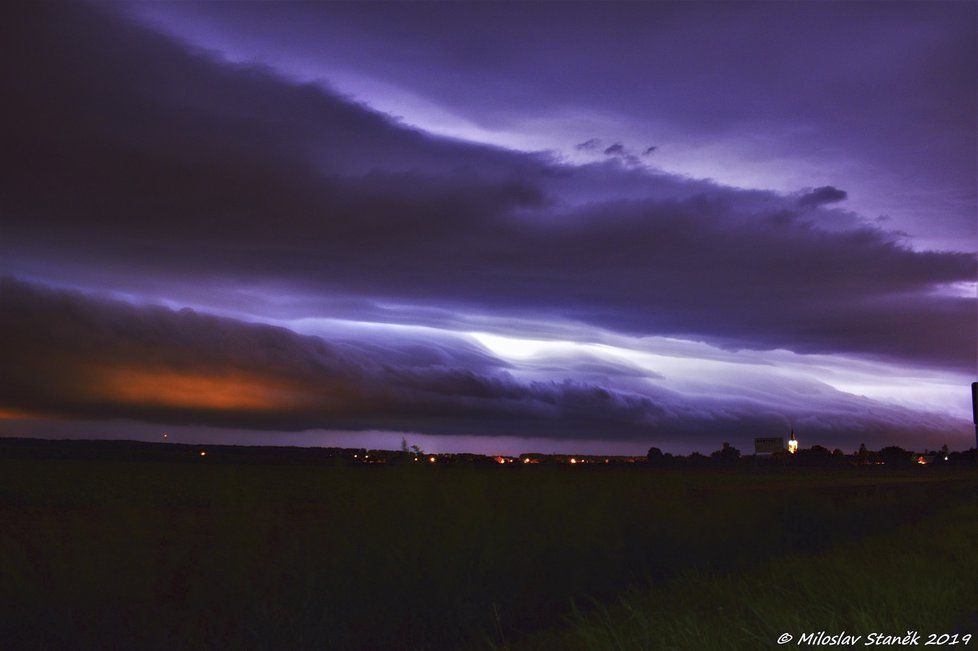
(124, 149)
(128, 153)
(878, 97)
(73, 356)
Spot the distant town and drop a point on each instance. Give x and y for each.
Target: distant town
(768, 451)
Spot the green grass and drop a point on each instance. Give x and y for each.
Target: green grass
(920, 578)
(114, 554)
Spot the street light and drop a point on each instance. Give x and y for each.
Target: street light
(974, 409)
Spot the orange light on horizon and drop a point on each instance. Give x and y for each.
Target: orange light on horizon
(11, 413)
(175, 389)
(199, 389)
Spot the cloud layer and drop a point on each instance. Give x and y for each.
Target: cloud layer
(131, 160)
(877, 98)
(72, 356)
(125, 150)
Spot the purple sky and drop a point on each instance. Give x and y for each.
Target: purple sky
(492, 227)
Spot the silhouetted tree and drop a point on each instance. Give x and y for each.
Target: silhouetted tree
(895, 455)
(816, 455)
(696, 458)
(726, 453)
(654, 456)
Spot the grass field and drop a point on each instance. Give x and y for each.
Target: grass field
(922, 577)
(203, 554)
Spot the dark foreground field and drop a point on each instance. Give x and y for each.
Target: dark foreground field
(205, 553)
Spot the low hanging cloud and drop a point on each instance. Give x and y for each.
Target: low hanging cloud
(116, 360)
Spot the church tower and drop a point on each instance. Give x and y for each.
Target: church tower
(792, 443)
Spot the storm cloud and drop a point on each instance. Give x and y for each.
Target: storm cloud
(122, 152)
(877, 97)
(143, 167)
(118, 360)
(75, 356)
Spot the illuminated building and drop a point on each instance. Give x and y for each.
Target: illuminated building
(768, 445)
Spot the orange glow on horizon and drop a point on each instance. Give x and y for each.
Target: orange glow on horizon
(12, 413)
(195, 390)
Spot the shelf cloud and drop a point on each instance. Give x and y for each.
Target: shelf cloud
(134, 161)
